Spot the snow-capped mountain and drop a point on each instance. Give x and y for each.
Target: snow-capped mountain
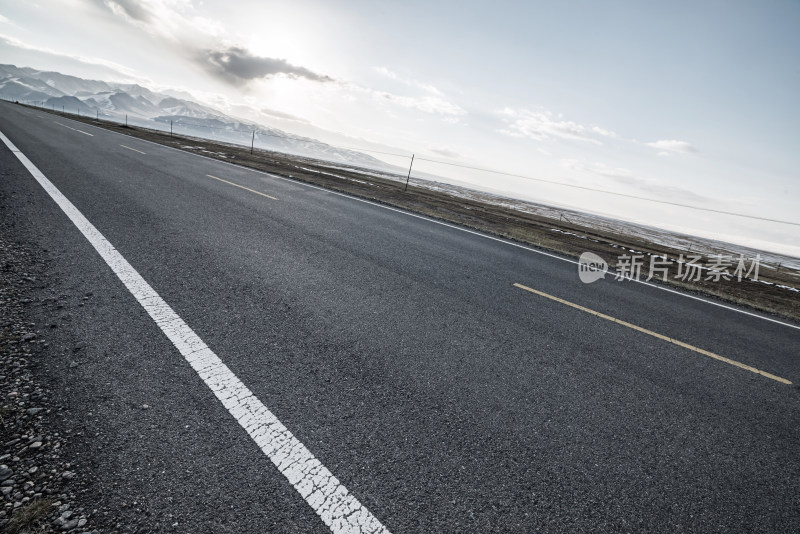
(140, 105)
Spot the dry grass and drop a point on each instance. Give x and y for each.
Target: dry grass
(30, 517)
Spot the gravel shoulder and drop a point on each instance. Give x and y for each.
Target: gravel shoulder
(42, 489)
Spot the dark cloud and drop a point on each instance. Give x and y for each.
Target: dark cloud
(132, 8)
(233, 64)
(238, 66)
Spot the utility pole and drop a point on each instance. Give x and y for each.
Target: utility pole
(409, 173)
(252, 142)
(126, 120)
(170, 128)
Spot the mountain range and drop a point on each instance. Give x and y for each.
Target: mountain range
(159, 110)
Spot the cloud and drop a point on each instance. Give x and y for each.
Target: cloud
(603, 132)
(238, 66)
(285, 116)
(432, 100)
(543, 125)
(133, 9)
(388, 73)
(200, 40)
(431, 104)
(444, 151)
(408, 81)
(619, 174)
(672, 145)
(47, 59)
(453, 120)
(428, 104)
(627, 177)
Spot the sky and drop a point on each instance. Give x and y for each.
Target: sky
(692, 103)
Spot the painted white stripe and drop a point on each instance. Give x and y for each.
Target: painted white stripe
(334, 504)
(129, 148)
(74, 129)
(485, 236)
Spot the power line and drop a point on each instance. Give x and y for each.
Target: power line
(563, 184)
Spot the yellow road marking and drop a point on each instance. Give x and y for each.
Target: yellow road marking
(242, 187)
(659, 336)
(74, 129)
(129, 148)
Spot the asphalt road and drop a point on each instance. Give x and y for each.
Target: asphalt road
(398, 350)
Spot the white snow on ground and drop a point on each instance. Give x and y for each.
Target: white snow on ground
(334, 175)
(21, 82)
(376, 174)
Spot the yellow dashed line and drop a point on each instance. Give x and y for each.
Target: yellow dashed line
(242, 187)
(659, 336)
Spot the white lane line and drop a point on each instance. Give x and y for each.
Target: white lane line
(129, 148)
(74, 129)
(334, 504)
(473, 232)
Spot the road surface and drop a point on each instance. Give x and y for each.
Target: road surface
(407, 357)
